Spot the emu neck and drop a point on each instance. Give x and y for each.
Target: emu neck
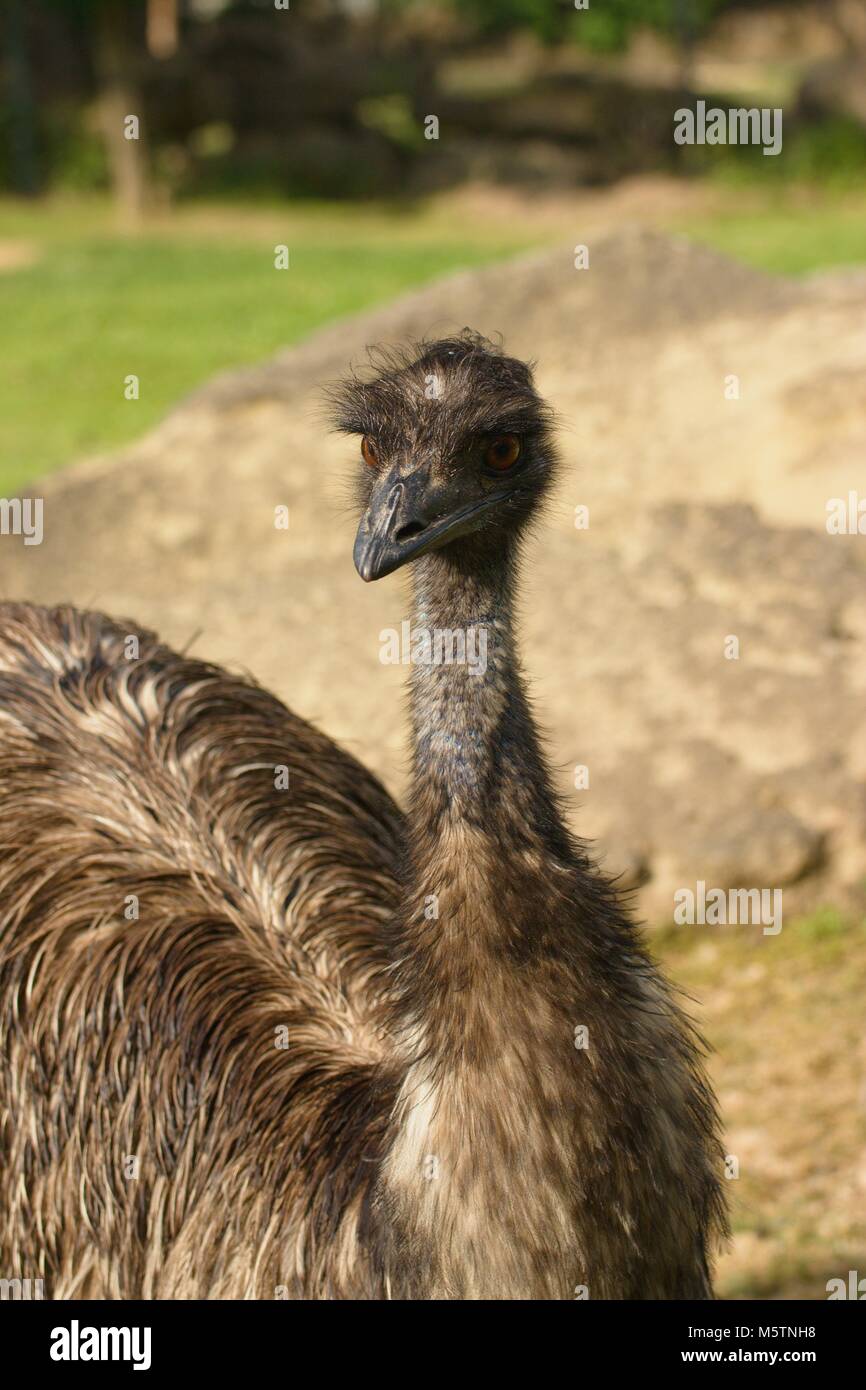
(484, 1003)
(485, 838)
(476, 760)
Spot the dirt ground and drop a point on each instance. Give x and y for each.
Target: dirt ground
(708, 414)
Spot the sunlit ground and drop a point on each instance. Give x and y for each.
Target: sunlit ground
(784, 1018)
(195, 290)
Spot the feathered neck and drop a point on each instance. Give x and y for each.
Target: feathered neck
(480, 990)
(476, 754)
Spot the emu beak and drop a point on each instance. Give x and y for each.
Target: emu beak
(404, 521)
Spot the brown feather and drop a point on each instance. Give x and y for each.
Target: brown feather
(170, 915)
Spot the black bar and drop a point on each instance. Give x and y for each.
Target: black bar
(260, 1338)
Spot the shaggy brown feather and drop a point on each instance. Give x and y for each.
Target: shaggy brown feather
(155, 1038)
(170, 918)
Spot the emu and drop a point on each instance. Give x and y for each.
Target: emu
(264, 1035)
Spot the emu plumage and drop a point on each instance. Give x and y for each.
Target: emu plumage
(264, 1040)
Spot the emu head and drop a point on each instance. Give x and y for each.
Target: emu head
(456, 451)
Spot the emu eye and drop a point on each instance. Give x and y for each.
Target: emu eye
(368, 452)
(502, 452)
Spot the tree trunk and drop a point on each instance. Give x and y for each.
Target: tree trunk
(684, 29)
(120, 99)
(19, 91)
(162, 28)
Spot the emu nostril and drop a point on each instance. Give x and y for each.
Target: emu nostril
(413, 528)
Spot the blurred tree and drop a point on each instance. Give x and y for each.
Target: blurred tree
(113, 34)
(24, 166)
(115, 31)
(609, 26)
(162, 27)
(219, 85)
(605, 25)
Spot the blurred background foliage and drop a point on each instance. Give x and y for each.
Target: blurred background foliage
(310, 125)
(332, 101)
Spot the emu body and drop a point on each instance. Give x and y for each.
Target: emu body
(263, 1040)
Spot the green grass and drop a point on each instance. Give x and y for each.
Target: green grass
(198, 292)
(175, 308)
(785, 239)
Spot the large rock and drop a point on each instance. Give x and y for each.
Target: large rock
(707, 522)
